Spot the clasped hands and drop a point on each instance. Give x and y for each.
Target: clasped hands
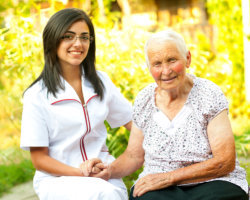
(95, 168)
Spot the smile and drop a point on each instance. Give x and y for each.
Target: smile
(169, 79)
(75, 52)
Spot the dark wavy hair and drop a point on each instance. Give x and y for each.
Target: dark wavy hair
(56, 27)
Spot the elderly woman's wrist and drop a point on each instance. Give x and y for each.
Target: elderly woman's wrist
(110, 170)
(172, 178)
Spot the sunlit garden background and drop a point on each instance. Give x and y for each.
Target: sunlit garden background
(121, 31)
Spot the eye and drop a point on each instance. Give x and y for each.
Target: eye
(68, 37)
(157, 64)
(172, 60)
(84, 37)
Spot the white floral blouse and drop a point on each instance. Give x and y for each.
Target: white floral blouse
(170, 145)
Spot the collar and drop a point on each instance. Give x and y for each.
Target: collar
(68, 93)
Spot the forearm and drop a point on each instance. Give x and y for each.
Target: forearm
(203, 171)
(128, 126)
(124, 165)
(222, 145)
(133, 157)
(43, 162)
(56, 168)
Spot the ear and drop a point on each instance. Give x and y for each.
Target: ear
(188, 59)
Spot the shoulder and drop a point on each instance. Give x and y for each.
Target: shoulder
(103, 76)
(208, 98)
(143, 105)
(146, 93)
(107, 82)
(35, 92)
(207, 89)
(143, 99)
(205, 84)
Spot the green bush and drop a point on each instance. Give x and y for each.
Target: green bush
(120, 54)
(15, 168)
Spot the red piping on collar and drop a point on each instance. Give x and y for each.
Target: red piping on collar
(65, 100)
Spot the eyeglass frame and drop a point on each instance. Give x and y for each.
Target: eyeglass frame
(75, 37)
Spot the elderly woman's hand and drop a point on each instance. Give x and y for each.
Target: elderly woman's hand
(92, 167)
(103, 173)
(152, 182)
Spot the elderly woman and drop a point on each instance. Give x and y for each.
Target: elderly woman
(181, 133)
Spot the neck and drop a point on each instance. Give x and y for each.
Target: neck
(72, 74)
(176, 93)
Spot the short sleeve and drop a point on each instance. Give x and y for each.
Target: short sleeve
(220, 103)
(34, 132)
(120, 109)
(214, 101)
(142, 106)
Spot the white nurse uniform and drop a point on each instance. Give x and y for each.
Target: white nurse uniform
(74, 133)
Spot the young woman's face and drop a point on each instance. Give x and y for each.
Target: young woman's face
(74, 45)
(167, 65)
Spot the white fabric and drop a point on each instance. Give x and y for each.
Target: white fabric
(73, 132)
(183, 141)
(80, 188)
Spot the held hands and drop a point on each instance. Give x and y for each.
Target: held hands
(152, 182)
(95, 168)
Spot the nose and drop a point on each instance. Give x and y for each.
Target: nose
(77, 41)
(166, 69)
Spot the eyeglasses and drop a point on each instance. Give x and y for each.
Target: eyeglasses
(71, 38)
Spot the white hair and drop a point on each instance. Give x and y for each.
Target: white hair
(168, 35)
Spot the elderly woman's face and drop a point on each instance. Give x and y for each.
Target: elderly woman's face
(167, 65)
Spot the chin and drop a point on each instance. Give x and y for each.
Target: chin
(77, 63)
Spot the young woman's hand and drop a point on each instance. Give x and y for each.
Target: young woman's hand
(104, 171)
(92, 167)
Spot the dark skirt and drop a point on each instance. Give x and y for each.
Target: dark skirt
(214, 190)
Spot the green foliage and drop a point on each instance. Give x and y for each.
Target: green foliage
(15, 168)
(21, 60)
(120, 54)
(124, 61)
(243, 144)
(246, 166)
(227, 18)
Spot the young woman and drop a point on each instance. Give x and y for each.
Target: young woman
(64, 111)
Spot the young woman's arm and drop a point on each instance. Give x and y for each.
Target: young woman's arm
(43, 162)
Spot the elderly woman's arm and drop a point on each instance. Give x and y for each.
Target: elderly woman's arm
(221, 140)
(127, 163)
(132, 158)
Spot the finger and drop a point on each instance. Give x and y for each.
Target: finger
(143, 191)
(104, 174)
(96, 170)
(102, 165)
(138, 187)
(84, 169)
(136, 190)
(92, 162)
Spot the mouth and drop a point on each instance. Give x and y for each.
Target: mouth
(169, 79)
(75, 52)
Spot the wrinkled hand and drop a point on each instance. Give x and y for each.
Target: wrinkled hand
(152, 182)
(92, 167)
(104, 173)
